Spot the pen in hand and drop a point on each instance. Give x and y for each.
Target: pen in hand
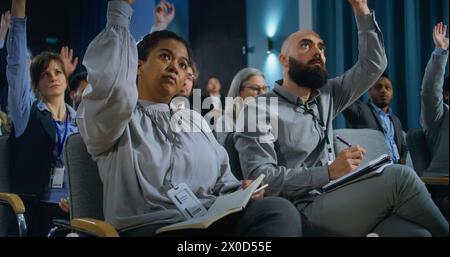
(345, 142)
(260, 188)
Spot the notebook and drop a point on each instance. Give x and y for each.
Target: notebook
(223, 206)
(369, 169)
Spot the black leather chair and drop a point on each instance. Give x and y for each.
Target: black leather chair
(12, 209)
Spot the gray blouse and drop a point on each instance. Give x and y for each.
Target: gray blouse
(137, 151)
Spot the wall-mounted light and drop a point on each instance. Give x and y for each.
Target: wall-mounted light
(269, 45)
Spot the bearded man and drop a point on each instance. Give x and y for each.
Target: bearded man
(296, 153)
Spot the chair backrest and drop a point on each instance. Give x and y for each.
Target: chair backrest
(372, 140)
(233, 156)
(418, 148)
(6, 216)
(4, 165)
(85, 186)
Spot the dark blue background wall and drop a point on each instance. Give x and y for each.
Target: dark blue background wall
(407, 28)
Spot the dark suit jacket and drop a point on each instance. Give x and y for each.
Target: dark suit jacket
(360, 115)
(31, 158)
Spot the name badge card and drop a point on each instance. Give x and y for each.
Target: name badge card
(56, 178)
(186, 202)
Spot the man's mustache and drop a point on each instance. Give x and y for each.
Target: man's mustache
(315, 60)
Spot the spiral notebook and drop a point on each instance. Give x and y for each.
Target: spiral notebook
(371, 168)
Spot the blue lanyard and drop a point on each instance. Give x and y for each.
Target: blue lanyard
(61, 140)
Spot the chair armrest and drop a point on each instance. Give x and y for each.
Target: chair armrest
(14, 201)
(94, 227)
(59, 226)
(438, 181)
(62, 223)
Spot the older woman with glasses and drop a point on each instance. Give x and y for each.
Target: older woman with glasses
(184, 98)
(247, 84)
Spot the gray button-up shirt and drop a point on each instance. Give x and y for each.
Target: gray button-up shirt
(295, 161)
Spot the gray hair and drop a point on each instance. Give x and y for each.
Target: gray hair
(240, 78)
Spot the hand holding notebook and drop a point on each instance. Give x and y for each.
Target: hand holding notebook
(373, 167)
(223, 206)
(348, 160)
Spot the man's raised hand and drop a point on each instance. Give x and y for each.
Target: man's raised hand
(70, 63)
(440, 36)
(360, 7)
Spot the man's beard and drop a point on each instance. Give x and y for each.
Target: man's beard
(307, 75)
(381, 105)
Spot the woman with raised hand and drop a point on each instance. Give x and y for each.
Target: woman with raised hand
(140, 154)
(40, 127)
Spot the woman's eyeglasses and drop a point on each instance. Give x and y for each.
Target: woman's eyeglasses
(256, 88)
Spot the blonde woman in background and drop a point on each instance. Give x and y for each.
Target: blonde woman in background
(5, 124)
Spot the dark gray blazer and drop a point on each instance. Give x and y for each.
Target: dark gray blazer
(360, 115)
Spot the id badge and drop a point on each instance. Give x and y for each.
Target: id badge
(186, 202)
(56, 178)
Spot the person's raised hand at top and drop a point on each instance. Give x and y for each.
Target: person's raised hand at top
(164, 14)
(18, 8)
(70, 63)
(360, 7)
(440, 36)
(130, 1)
(4, 24)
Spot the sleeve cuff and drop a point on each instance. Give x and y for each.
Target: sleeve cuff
(15, 22)
(319, 176)
(119, 13)
(440, 51)
(17, 29)
(366, 22)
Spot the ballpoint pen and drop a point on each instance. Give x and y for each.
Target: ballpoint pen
(345, 142)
